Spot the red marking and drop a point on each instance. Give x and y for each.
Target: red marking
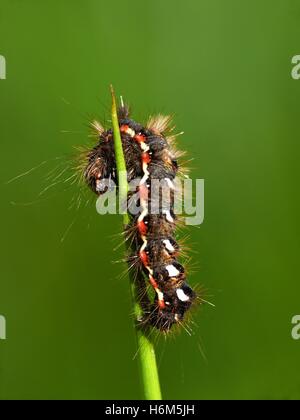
(124, 128)
(153, 282)
(146, 157)
(142, 227)
(144, 258)
(140, 138)
(161, 304)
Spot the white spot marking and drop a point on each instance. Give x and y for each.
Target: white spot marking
(160, 295)
(182, 296)
(130, 131)
(146, 174)
(144, 246)
(169, 217)
(173, 272)
(143, 215)
(168, 245)
(144, 147)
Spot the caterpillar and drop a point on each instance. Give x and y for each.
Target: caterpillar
(149, 157)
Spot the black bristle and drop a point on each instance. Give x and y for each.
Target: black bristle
(154, 242)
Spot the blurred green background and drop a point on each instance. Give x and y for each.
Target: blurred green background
(224, 70)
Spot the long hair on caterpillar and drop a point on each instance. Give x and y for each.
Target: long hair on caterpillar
(56, 182)
(150, 155)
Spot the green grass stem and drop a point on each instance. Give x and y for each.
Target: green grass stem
(146, 351)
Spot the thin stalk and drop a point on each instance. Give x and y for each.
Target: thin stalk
(146, 352)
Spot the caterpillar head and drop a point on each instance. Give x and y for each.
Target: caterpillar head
(100, 170)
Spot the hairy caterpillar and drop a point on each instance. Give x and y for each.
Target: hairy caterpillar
(149, 157)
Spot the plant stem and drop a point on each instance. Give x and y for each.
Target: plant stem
(146, 352)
